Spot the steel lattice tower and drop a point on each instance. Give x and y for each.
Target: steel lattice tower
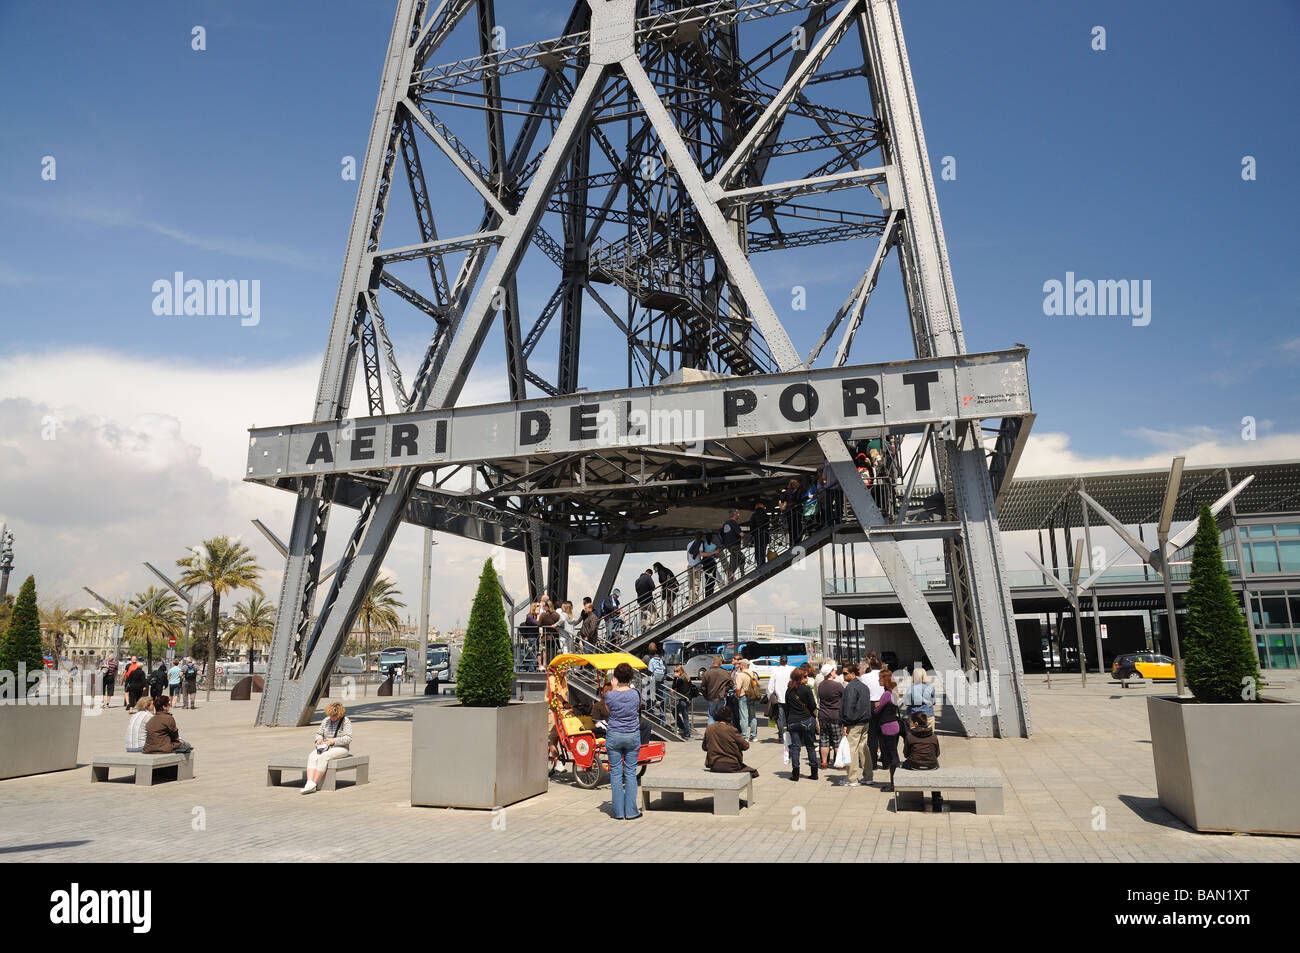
(645, 156)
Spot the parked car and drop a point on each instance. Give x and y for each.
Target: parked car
(1142, 665)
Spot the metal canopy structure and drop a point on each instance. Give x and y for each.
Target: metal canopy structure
(1135, 496)
(643, 158)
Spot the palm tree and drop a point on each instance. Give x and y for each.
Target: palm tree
(153, 614)
(59, 622)
(380, 608)
(223, 565)
(254, 624)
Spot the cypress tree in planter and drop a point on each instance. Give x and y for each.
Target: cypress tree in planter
(34, 738)
(1217, 763)
(22, 640)
(487, 665)
(484, 752)
(1219, 659)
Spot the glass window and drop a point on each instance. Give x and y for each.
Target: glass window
(1264, 529)
(1264, 556)
(1281, 650)
(1290, 550)
(1288, 529)
(1273, 609)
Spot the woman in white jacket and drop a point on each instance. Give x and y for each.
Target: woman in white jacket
(333, 739)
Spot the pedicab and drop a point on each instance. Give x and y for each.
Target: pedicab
(577, 741)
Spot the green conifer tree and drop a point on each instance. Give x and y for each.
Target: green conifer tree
(487, 665)
(22, 639)
(1219, 660)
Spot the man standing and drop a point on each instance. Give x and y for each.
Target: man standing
(658, 671)
(547, 624)
(645, 597)
(694, 569)
(190, 677)
(776, 686)
(855, 716)
(733, 560)
(174, 679)
(872, 678)
(829, 693)
(610, 611)
(716, 680)
(748, 691)
(759, 533)
(668, 584)
(133, 683)
(588, 622)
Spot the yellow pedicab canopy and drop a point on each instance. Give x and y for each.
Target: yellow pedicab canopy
(606, 661)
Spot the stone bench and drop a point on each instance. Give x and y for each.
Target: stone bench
(675, 783)
(360, 763)
(984, 783)
(142, 765)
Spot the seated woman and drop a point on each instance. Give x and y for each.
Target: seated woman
(333, 739)
(600, 712)
(161, 736)
(724, 746)
(136, 727)
(921, 751)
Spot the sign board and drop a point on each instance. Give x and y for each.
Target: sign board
(171, 640)
(956, 639)
(899, 394)
(1103, 630)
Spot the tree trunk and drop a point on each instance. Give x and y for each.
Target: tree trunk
(365, 663)
(212, 644)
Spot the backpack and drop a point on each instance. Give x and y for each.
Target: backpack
(753, 691)
(657, 669)
(190, 673)
(693, 550)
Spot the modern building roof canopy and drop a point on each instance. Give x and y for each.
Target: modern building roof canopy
(1135, 496)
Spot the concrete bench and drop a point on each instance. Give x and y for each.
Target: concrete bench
(675, 783)
(142, 765)
(297, 762)
(984, 783)
(1135, 680)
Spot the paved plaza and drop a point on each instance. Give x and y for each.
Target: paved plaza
(1090, 753)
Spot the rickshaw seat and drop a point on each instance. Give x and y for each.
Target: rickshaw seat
(578, 724)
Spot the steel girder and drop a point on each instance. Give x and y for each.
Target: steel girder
(686, 89)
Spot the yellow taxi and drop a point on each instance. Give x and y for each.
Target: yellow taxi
(1142, 665)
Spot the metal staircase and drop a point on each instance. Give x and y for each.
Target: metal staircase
(633, 626)
(658, 280)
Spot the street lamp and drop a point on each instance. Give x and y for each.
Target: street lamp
(422, 662)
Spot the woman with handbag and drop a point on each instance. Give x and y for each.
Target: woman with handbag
(886, 715)
(684, 690)
(333, 739)
(801, 723)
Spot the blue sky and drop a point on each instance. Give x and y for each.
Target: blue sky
(1121, 164)
(1118, 164)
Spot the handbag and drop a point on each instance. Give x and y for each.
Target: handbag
(843, 753)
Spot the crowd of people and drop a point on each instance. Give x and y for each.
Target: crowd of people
(178, 679)
(851, 713)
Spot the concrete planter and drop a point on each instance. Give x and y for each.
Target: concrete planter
(478, 757)
(35, 739)
(1227, 767)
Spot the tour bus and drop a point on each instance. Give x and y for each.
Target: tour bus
(397, 655)
(441, 658)
(695, 653)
